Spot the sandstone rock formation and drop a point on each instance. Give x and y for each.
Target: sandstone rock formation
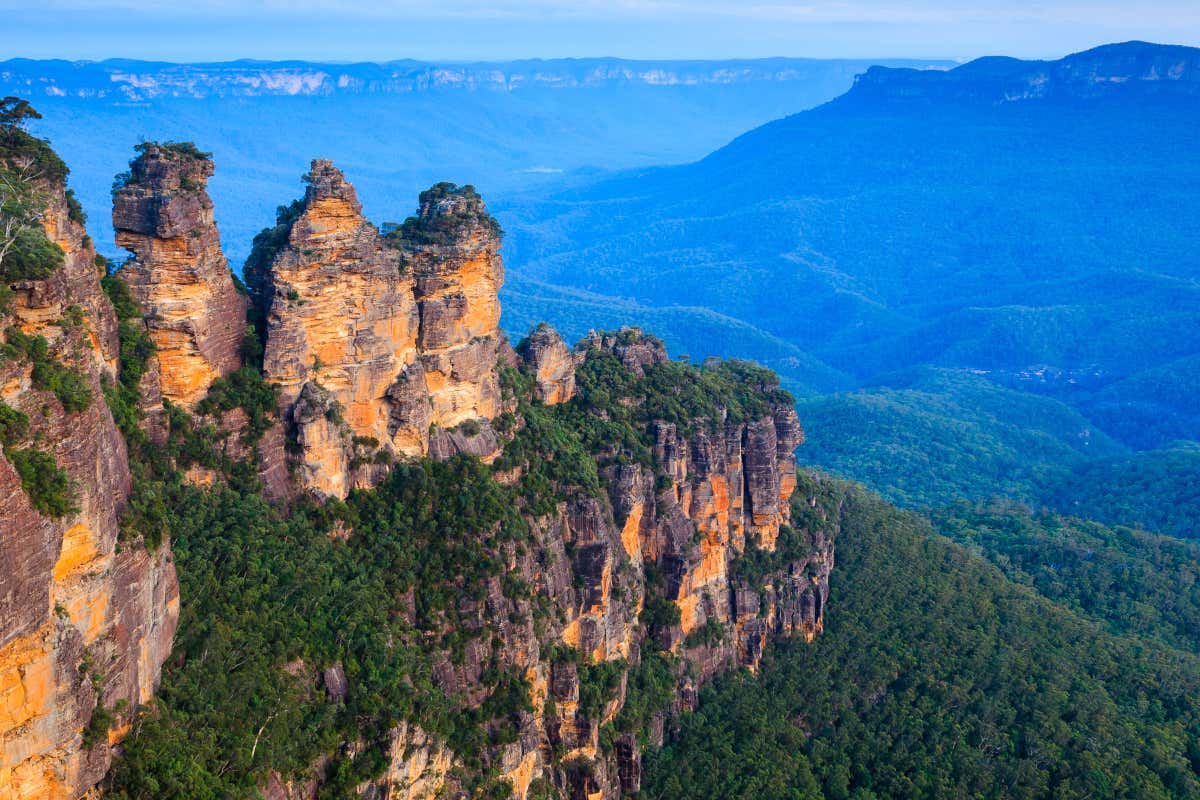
(196, 316)
(84, 625)
(452, 248)
(396, 337)
(553, 365)
(384, 347)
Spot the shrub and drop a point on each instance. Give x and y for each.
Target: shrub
(32, 257)
(14, 425)
(47, 484)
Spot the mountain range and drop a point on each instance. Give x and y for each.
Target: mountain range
(400, 126)
(1022, 222)
(315, 529)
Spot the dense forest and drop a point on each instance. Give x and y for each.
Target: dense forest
(941, 674)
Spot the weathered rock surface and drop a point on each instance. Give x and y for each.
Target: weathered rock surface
(385, 347)
(590, 562)
(82, 624)
(398, 336)
(195, 314)
(552, 363)
(452, 248)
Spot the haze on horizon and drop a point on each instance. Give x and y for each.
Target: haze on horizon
(457, 30)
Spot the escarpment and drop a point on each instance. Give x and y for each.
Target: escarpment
(420, 562)
(85, 622)
(195, 315)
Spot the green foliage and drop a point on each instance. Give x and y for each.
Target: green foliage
(1135, 582)
(795, 540)
(98, 726)
(1158, 490)
(267, 245)
(939, 435)
(14, 425)
(48, 486)
(17, 145)
(598, 685)
(136, 350)
(248, 390)
(937, 676)
(75, 209)
(67, 383)
(444, 228)
(175, 150)
(261, 589)
(15, 112)
(680, 393)
(33, 257)
(649, 691)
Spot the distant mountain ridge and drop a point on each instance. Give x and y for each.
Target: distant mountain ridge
(1102, 71)
(403, 125)
(1028, 222)
(132, 80)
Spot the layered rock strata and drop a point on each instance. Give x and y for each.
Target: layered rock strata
(85, 625)
(195, 314)
(552, 363)
(452, 248)
(382, 348)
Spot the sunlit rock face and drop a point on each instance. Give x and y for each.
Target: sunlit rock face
(341, 319)
(397, 335)
(84, 623)
(552, 363)
(452, 248)
(195, 314)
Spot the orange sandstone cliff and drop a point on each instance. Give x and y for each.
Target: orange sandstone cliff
(196, 317)
(85, 622)
(382, 347)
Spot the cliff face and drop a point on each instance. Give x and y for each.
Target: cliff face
(553, 365)
(643, 528)
(178, 274)
(84, 625)
(452, 248)
(341, 333)
(374, 343)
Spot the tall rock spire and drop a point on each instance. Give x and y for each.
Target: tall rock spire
(341, 327)
(452, 248)
(196, 316)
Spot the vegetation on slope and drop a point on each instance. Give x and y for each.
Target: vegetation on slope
(938, 676)
(270, 599)
(931, 437)
(1159, 490)
(1135, 582)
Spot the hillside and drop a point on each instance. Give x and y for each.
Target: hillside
(325, 533)
(1020, 221)
(940, 675)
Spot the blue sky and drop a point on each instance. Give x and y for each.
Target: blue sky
(505, 29)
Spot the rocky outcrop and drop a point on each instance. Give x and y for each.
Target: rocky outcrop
(671, 534)
(384, 347)
(452, 248)
(552, 364)
(85, 625)
(397, 336)
(341, 325)
(195, 315)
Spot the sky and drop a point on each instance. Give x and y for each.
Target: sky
(461, 30)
